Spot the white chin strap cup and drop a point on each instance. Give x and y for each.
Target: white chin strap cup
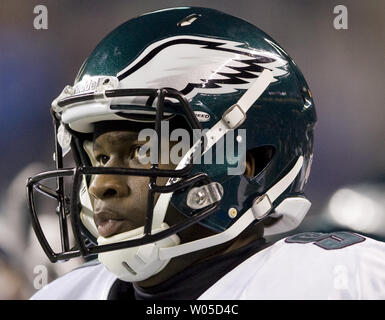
(136, 263)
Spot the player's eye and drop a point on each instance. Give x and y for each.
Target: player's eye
(137, 152)
(102, 158)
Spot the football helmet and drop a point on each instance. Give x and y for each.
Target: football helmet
(218, 73)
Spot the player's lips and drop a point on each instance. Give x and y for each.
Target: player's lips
(110, 223)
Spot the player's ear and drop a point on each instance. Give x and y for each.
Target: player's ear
(250, 165)
(257, 159)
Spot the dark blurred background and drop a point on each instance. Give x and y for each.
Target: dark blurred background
(344, 69)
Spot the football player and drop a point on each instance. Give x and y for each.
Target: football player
(193, 228)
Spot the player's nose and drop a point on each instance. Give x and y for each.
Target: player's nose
(109, 186)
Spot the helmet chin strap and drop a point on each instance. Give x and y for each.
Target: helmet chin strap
(261, 207)
(139, 263)
(291, 212)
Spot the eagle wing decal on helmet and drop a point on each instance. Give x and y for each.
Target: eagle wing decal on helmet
(195, 65)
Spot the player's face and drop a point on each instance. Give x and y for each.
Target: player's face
(120, 201)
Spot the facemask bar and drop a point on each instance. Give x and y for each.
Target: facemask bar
(82, 248)
(153, 188)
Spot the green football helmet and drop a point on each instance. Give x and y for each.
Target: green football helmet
(211, 72)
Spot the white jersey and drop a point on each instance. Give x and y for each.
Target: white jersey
(339, 265)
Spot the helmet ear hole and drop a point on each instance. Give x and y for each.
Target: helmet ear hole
(257, 159)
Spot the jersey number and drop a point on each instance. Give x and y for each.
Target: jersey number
(327, 241)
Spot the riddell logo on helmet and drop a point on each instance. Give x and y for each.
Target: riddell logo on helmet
(176, 147)
(87, 85)
(202, 116)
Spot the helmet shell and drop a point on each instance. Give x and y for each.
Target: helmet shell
(283, 117)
